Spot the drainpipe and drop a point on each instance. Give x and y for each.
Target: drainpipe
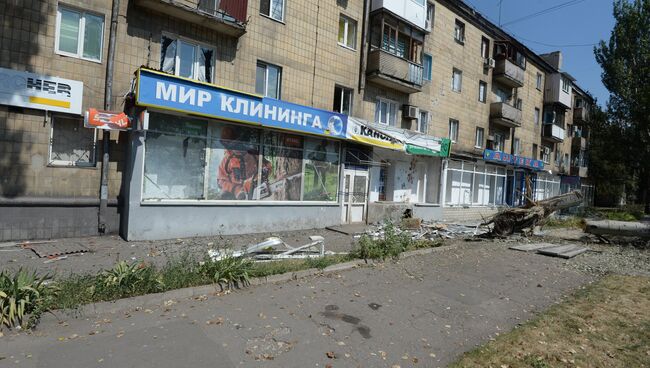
(108, 93)
(364, 46)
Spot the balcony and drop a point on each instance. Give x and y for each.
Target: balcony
(578, 143)
(580, 171)
(553, 133)
(393, 72)
(503, 114)
(508, 73)
(580, 114)
(224, 16)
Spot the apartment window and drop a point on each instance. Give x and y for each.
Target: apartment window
(342, 100)
(535, 150)
(268, 80)
(539, 81)
(519, 104)
(459, 32)
(427, 64)
(397, 38)
(516, 146)
(347, 32)
(186, 59)
(70, 143)
(480, 138)
(499, 142)
(546, 154)
(273, 9)
(565, 84)
(485, 48)
(456, 80)
(428, 25)
(423, 122)
(386, 112)
(537, 112)
(453, 130)
(482, 91)
(79, 34)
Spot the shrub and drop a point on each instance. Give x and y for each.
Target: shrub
(390, 246)
(23, 295)
(229, 271)
(128, 279)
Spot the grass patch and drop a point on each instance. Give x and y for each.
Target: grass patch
(572, 222)
(603, 325)
(25, 296)
(626, 213)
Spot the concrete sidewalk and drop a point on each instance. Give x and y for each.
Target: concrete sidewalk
(422, 311)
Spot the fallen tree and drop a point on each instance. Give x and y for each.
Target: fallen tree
(617, 228)
(524, 219)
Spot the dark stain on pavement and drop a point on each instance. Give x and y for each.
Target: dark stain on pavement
(374, 306)
(330, 312)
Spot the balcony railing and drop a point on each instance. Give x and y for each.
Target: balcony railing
(394, 72)
(508, 73)
(224, 16)
(505, 114)
(552, 132)
(580, 114)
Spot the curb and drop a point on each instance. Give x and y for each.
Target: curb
(150, 300)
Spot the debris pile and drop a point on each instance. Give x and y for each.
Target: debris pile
(274, 248)
(428, 230)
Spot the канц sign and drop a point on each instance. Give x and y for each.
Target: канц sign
(42, 92)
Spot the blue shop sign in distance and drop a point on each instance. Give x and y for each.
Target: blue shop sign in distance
(506, 158)
(164, 91)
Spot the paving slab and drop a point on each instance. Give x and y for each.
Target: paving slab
(564, 251)
(532, 247)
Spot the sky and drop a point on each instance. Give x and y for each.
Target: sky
(580, 22)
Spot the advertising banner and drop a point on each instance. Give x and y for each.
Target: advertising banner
(164, 91)
(363, 133)
(506, 158)
(107, 120)
(42, 92)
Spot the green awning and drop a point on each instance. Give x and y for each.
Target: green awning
(424, 151)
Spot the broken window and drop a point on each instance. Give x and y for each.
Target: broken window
(70, 143)
(186, 59)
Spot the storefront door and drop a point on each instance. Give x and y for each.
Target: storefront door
(355, 195)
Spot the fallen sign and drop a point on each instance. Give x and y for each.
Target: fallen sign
(274, 248)
(555, 250)
(617, 228)
(53, 250)
(524, 219)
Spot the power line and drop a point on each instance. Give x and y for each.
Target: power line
(552, 45)
(544, 11)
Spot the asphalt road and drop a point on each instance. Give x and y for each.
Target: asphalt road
(422, 311)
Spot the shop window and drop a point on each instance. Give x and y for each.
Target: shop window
(482, 91)
(423, 122)
(79, 34)
(480, 138)
(459, 32)
(475, 184)
(453, 130)
(456, 80)
(347, 32)
(273, 9)
(186, 58)
(268, 80)
(343, 100)
(192, 159)
(386, 112)
(539, 81)
(427, 65)
(428, 24)
(70, 143)
(383, 179)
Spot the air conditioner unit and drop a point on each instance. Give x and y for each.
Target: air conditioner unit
(489, 62)
(410, 112)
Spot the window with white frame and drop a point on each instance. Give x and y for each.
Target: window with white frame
(386, 112)
(566, 84)
(480, 138)
(485, 48)
(423, 122)
(536, 117)
(459, 32)
(273, 9)
(453, 130)
(482, 91)
(539, 81)
(546, 186)
(70, 143)
(428, 24)
(79, 34)
(347, 32)
(499, 143)
(186, 58)
(268, 80)
(474, 184)
(535, 151)
(546, 154)
(516, 146)
(456, 80)
(342, 100)
(427, 63)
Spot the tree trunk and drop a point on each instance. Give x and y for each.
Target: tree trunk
(619, 228)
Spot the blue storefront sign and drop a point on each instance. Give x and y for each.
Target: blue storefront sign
(164, 91)
(506, 158)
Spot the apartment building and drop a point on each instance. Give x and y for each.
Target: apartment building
(248, 116)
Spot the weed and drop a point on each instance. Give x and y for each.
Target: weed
(23, 295)
(568, 222)
(229, 271)
(390, 246)
(129, 279)
(536, 362)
